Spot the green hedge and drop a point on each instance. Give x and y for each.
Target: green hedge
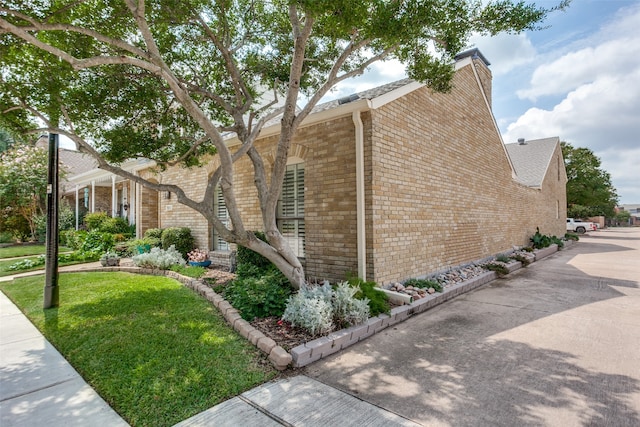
(180, 237)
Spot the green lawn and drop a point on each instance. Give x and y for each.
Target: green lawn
(26, 250)
(153, 349)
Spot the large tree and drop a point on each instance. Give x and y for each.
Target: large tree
(171, 79)
(589, 188)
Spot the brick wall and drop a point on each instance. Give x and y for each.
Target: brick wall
(439, 188)
(442, 192)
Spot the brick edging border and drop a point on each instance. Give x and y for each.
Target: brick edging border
(314, 350)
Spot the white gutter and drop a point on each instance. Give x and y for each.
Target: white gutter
(101, 175)
(360, 211)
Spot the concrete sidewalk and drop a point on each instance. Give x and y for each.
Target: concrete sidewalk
(38, 386)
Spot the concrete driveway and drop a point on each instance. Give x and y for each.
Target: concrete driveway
(554, 344)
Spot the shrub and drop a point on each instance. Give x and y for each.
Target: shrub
(311, 309)
(66, 221)
(159, 258)
(523, 259)
(247, 257)
(139, 246)
(94, 220)
(571, 236)
(70, 238)
(424, 284)
(97, 241)
(539, 241)
(27, 264)
(153, 233)
(318, 309)
(6, 237)
(503, 258)
(348, 310)
(178, 237)
(500, 269)
(378, 300)
(558, 241)
(260, 295)
(115, 226)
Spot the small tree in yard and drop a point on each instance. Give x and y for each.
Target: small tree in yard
(23, 189)
(167, 79)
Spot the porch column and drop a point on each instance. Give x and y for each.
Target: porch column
(114, 200)
(93, 196)
(77, 208)
(132, 202)
(138, 210)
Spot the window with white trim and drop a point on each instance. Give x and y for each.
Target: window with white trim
(220, 209)
(290, 215)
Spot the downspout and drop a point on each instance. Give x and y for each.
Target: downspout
(360, 208)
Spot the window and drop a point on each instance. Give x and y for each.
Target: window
(220, 208)
(290, 215)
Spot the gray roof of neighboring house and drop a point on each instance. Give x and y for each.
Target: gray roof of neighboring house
(531, 160)
(76, 162)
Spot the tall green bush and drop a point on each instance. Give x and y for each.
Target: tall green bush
(180, 237)
(260, 295)
(115, 226)
(246, 258)
(97, 241)
(94, 220)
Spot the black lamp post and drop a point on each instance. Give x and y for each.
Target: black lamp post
(51, 291)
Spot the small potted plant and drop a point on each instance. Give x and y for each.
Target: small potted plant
(110, 259)
(199, 257)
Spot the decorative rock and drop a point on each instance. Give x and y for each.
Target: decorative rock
(431, 291)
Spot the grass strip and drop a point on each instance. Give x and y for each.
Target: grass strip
(26, 250)
(154, 350)
(5, 264)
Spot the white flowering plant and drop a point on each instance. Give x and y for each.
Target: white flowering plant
(198, 255)
(159, 258)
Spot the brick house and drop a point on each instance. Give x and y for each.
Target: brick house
(394, 182)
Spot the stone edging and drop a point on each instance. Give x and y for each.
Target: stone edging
(314, 350)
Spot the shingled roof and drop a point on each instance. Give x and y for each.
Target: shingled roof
(531, 159)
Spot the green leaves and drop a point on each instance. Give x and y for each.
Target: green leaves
(589, 188)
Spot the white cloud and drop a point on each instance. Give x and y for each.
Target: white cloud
(595, 100)
(608, 60)
(597, 115)
(505, 51)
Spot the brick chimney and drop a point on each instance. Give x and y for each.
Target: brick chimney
(482, 67)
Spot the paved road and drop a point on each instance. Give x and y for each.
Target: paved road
(554, 344)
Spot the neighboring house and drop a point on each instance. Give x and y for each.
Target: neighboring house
(634, 211)
(394, 182)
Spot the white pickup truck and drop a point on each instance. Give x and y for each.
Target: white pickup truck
(580, 227)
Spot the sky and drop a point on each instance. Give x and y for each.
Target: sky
(578, 79)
